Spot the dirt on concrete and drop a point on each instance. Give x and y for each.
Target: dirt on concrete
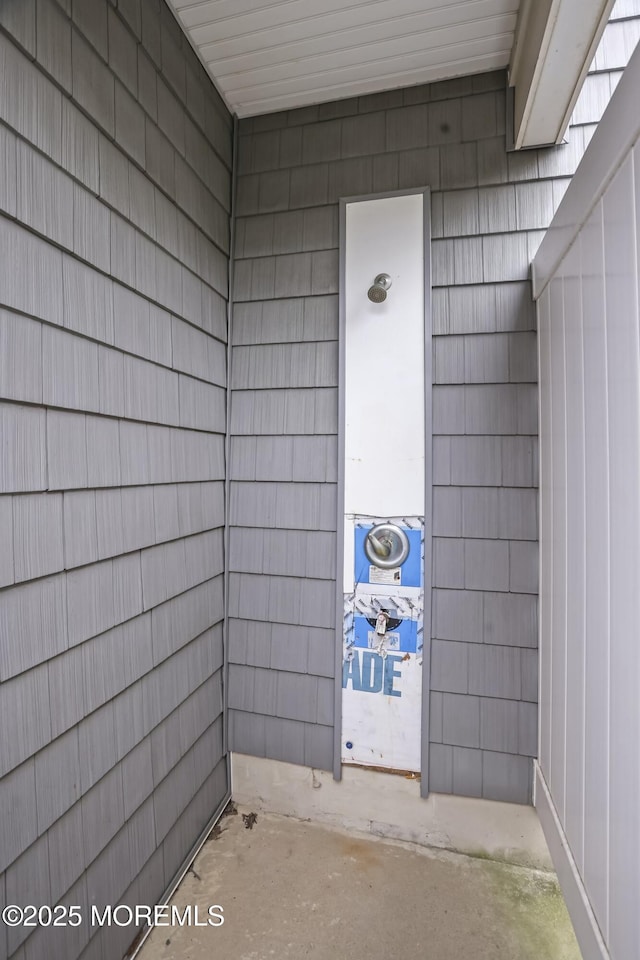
(292, 889)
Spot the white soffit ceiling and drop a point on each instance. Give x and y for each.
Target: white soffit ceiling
(266, 56)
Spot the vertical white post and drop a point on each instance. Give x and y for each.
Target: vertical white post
(384, 479)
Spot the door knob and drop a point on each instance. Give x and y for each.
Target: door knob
(386, 546)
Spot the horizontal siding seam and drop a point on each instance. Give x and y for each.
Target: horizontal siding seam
(120, 418)
(124, 756)
(160, 73)
(107, 343)
(88, 263)
(157, 186)
(120, 623)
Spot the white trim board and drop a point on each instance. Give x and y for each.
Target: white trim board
(555, 43)
(615, 136)
(584, 922)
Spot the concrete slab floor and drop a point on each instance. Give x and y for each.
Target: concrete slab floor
(293, 889)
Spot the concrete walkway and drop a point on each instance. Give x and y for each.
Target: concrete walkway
(292, 889)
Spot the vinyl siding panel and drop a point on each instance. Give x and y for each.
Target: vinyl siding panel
(112, 413)
(590, 460)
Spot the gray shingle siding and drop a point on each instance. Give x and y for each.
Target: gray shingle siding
(115, 159)
(291, 178)
(115, 194)
(489, 210)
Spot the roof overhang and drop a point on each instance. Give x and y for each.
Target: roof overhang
(554, 45)
(270, 55)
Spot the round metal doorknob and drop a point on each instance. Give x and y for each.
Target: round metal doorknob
(386, 546)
